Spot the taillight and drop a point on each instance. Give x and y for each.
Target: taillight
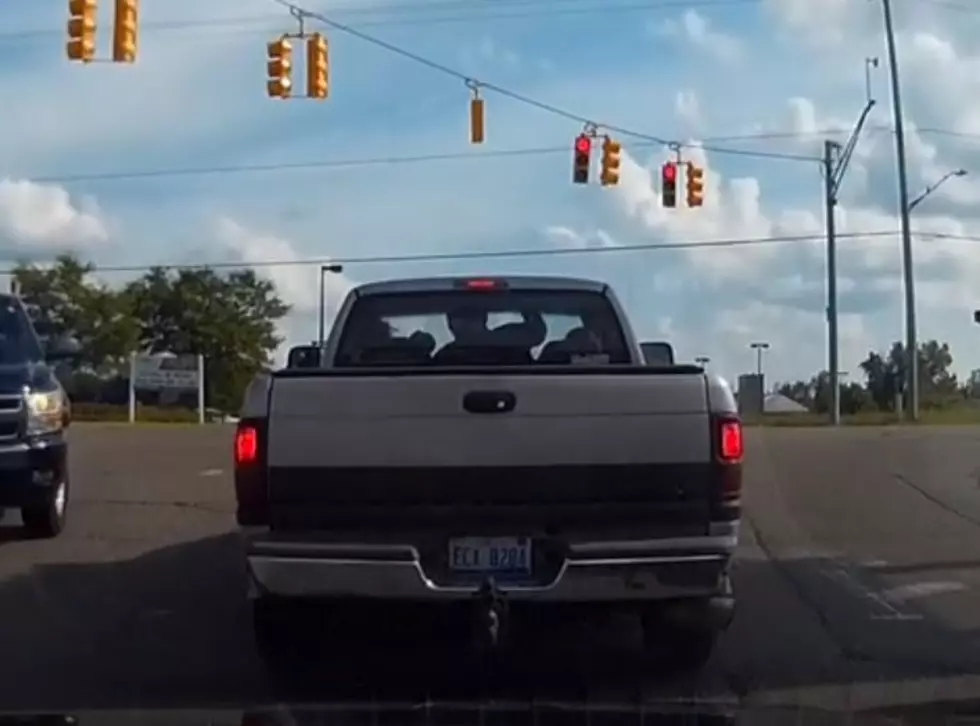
(730, 441)
(251, 477)
(246, 445)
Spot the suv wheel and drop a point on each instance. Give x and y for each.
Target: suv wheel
(47, 518)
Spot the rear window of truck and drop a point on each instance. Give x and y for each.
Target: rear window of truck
(481, 328)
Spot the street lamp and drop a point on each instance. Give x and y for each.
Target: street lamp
(933, 187)
(758, 348)
(335, 269)
(911, 333)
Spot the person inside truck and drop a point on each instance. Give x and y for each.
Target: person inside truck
(474, 343)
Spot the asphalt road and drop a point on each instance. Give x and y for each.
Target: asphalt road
(858, 579)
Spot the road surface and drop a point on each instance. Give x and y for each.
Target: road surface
(858, 578)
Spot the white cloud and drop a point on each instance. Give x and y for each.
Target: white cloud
(696, 29)
(41, 216)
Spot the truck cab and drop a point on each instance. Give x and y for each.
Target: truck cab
(34, 416)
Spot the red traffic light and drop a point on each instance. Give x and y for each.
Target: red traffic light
(583, 144)
(670, 171)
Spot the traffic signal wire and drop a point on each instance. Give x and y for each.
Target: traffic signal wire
(505, 254)
(539, 9)
(135, 174)
(527, 100)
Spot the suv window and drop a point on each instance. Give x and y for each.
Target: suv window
(18, 342)
(464, 327)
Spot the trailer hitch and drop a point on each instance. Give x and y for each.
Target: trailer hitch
(491, 614)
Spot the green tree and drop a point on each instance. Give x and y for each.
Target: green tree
(230, 319)
(886, 374)
(67, 301)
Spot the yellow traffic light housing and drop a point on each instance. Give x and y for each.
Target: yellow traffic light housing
(81, 30)
(695, 185)
(280, 68)
(610, 162)
(317, 67)
(125, 31)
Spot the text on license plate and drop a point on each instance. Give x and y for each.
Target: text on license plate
(490, 554)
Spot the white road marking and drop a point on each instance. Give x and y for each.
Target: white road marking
(212, 472)
(888, 610)
(921, 589)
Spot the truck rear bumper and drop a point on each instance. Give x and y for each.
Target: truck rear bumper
(601, 572)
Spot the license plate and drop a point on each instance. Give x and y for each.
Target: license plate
(490, 554)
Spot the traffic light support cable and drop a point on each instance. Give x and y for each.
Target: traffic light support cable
(295, 9)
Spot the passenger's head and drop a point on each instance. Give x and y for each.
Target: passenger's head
(467, 323)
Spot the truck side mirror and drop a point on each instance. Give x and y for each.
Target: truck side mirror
(976, 317)
(657, 353)
(303, 356)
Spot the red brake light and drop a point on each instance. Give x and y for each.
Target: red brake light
(731, 444)
(246, 445)
(481, 284)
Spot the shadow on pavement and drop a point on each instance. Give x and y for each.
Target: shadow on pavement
(172, 628)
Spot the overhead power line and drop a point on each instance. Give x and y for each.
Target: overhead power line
(521, 98)
(489, 255)
(471, 13)
(308, 164)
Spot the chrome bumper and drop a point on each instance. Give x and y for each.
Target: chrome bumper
(592, 572)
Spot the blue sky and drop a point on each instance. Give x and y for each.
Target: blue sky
(786, 70)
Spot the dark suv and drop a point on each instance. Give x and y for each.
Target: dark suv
(34, 415)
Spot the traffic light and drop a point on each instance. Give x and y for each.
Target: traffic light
(610, 162)
(695, 185)
(280, 65)
(583, 158)
(317, 68)
(81, 30)
(125, 31)
(669, 184)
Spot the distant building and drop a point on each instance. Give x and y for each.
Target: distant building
(778, 403)
(750, 395)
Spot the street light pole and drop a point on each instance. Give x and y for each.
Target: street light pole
(321, 328)
(911, 333)
(758, 348)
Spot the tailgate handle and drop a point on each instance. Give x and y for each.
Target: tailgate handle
(489, 401)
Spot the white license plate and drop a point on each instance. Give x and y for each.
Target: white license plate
(490, 554)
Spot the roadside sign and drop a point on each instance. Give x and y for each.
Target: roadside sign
(157, 372)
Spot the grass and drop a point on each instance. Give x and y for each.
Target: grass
(954, 416)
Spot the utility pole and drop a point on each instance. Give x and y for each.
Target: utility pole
(322, 322)
(911, 337)
(836, 159)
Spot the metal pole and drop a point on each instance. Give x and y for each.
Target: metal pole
(758, 361)
(132, 388)
(320, 328)
(911, 342)
(830, 200)
(200, 388)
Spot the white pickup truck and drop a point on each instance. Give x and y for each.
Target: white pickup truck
(485, 442)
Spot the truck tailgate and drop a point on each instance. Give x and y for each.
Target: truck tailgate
(405, 421)
(584, 452)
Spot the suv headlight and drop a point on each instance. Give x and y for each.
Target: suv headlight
(45, 412)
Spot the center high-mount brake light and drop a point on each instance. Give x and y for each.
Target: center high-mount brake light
(246, 445)
(481, 285)
(731, 443)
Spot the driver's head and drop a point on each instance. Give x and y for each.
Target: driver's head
(467, 323)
